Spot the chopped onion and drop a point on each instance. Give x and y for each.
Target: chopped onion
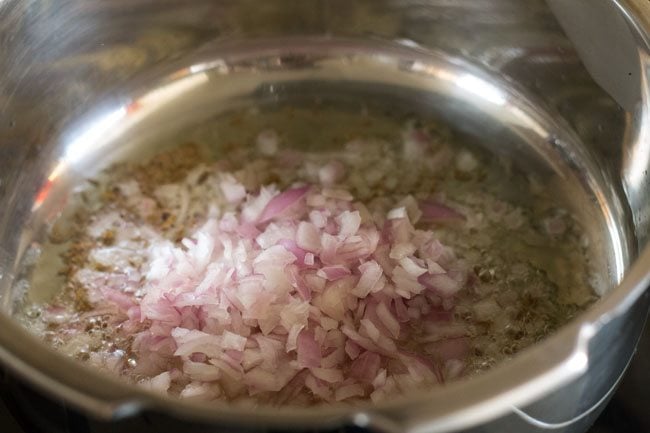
(441, 284)
(371, 274)
(349, 223)
(365, 367)
(308, 350)
(433, 211)
(233, 191)
(348, 391)
(308, 237)
(281, 202)
(333, 273)
(397, 213)
(330, 375)
(294, 249)
(268, 299)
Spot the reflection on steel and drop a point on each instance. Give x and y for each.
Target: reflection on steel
(481, 89)
(85, 142)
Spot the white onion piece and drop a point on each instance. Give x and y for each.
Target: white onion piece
(348, 391)
(308, 237)
(200, 392)
(330, 375)
(397, 213)
(233, 191)
(371, 274)
(159, 383)
(349, 223)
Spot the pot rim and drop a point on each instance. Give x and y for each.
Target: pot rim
(532, 373)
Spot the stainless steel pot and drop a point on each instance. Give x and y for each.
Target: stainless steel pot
(566, 77)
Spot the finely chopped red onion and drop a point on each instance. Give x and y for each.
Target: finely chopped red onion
(298, 281)
(297, 294)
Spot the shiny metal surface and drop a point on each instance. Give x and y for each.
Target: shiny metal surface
(74, 72)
